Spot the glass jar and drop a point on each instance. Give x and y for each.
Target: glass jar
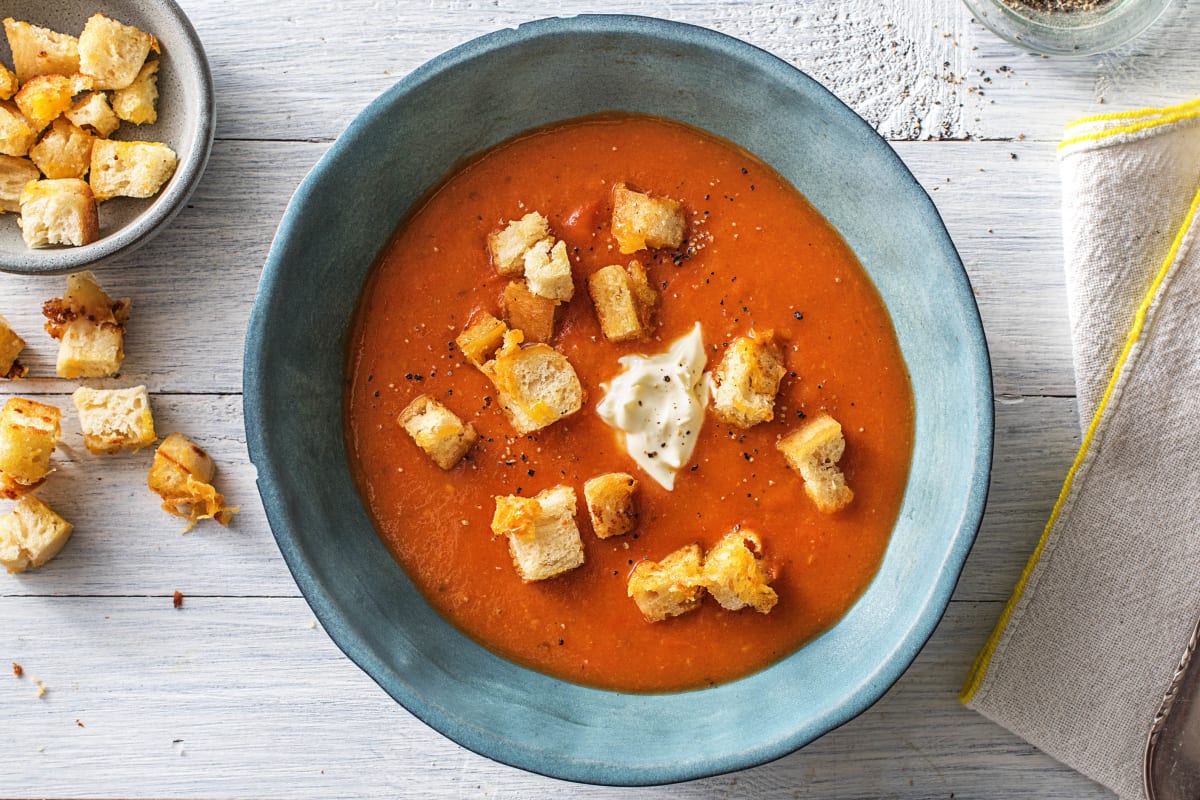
(1067, 27)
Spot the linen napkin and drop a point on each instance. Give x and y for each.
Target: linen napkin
(1087, 644)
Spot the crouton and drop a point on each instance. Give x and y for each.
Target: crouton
(536, 385)
(533, 315)
(482, 338)
(60, 211)
(29, 432)
(814, 450)
(735, 575)
(136, 103)
(40, 51)
(31, 534)
(745, 383)
(17, 135)
(113, 53)
(542, 536)
(90, 328)
(65, 151)
(130, 169)
(624, 301)
(437, 430)
(548, 270)
(115, 419)
(14, 174)
(640, 221)
(8, 83)
(508, 245)
(182, 476)
(43, 98)
(94, 113)
(610, 503)
(11, 346)
(669, 587)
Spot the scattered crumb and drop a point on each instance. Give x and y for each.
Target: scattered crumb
(41, 687)
(312, 624)
(80, 724)
(18, 670)
(178, 600)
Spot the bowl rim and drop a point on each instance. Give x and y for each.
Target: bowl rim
(932, 606)
(163, 208)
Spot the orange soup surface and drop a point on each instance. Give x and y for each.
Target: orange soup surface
(758, 256)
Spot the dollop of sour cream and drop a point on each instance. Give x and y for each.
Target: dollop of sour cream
(658, 402)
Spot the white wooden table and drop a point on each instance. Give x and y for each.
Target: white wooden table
(239, 693)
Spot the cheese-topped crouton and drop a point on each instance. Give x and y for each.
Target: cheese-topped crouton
(31, 534)
(60, 211)
(130, 169)
(17, 135)
(482, 338)
(533, 315)
(624, 301)
(182, 475)
(43, 98)
(93, 112)
(814, 450)
(40, 51)
(112, 53)
(14, 174)
(548, 270)
(640, 221)
(115, 419)
(65, 151)
(669, 587)
(136, 103)
(29, 432)
(508, 245)
(437, 430)
(610, 503)
(90, 328)
(536, 385)
(11, 346)
(8, 83)
(735, 575)
(746, 381)
(542, 535)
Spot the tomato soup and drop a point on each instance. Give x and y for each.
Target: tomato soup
(757, 256)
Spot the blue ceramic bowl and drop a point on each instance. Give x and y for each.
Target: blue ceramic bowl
(342, 215)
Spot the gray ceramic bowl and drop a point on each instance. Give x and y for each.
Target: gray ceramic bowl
(475, 96)
(186, 122)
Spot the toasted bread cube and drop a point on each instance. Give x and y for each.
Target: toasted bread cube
(17, 135)
(65, 151)
(90, 327)
(482, 338)
(669, 587)
(610, 503)
(113, 53)
(93, 112)
(531, 314)
(542, 536)
(182, 475)
(115, 419)
(31, 534)
(508, 245)
(60, 211)
(43, 98)
(137, 102)
(29, 432)
(8, 83)
(130, 169)
(14, 174)
(745, 383)
(735, 575)
(640, 221)
(814, 450)
(548, 270)
(11, 346)
(536, 385)
(40, 51)
(624, 301)
(437, 430)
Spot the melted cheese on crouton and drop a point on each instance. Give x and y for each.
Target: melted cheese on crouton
(735, 575)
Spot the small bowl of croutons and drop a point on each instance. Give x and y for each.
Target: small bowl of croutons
(106, 123)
